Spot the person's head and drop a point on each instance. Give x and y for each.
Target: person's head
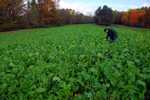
(105, 30)
(108, 29)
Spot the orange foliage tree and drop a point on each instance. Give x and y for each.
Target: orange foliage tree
(125, 18)
(47, 11)
(136, 17)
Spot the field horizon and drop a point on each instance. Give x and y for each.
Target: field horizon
(47, 27)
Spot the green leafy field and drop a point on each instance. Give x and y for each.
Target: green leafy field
(74, 62)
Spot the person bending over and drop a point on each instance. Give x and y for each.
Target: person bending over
(111, 34)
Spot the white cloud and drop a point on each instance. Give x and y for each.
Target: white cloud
(146, 4)
(85, 9)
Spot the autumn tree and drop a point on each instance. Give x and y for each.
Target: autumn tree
(10, 12)
(11, 8)
(47, 11)
(136, 17)
(125, 18)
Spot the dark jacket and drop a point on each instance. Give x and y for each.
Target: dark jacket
(111, 34)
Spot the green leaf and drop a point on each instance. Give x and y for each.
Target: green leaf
(40, 90)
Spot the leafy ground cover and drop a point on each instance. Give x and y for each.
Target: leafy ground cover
(74, 62)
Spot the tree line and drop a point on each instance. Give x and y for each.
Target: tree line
(16, 14)
(69, 16)
(134, 17)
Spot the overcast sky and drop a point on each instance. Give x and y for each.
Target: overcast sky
(89, 6)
